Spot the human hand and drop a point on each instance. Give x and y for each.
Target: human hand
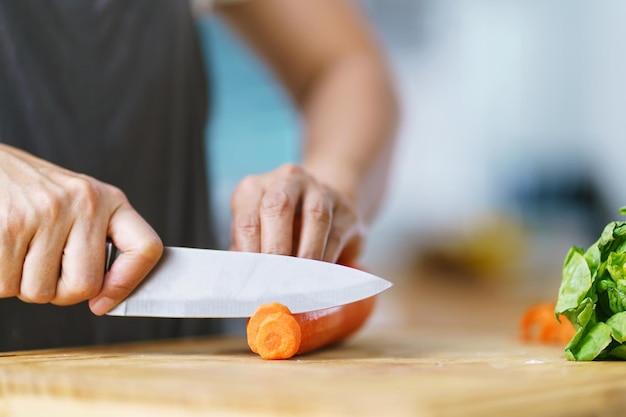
(287, 212)
(53, 228)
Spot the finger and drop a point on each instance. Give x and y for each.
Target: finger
(82, 268)
(277, 213)
(245, 223)
(42, 264)
(140, 248)
(334, 245)
(296, 228)
(350, 254)
(345, 238)
(13, 247)
(344, 228)
(316, 220)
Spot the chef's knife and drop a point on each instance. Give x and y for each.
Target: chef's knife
(190, 282)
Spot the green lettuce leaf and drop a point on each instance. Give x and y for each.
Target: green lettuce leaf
(576, 281)
(591, 344)
(592, 296)
(617, 323)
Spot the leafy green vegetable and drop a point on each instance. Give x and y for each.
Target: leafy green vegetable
(617, 322)
(576, 281)
(591, 344)
(618, 352)
(592, 296)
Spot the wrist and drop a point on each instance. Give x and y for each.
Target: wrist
(336, 176)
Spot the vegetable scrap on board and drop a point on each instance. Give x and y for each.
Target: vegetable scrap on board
(275, 333)
(538, 324)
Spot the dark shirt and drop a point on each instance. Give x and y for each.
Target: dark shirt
(115, 89)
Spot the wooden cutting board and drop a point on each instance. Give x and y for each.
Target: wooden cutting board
(428, 371)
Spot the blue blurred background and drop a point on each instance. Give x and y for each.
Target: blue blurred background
(512, 133)
(253, 127)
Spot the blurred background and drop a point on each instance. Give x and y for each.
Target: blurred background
(511, 144)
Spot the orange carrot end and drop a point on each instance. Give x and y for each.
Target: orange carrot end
(539, 324)
(278, 336)
(254, 322)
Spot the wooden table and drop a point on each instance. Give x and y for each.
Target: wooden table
(447, 357)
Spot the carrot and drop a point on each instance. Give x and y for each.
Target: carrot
(254, 322)
(279, 336)
(275, 333)
(539, 324)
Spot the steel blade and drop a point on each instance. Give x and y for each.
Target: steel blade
(212, 283)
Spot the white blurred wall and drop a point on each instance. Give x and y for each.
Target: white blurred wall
(491, 89)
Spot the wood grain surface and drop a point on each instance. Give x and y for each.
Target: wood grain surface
(442, 346)
(379, 373)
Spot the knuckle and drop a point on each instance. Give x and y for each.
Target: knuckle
(119, 289)
(13, 223)
(275, 202)
(116, 193)
(319, 211)
(277, 247)
(9, 288)
(276, 250)
(37, 295)
(72, 290)
(82, 291)
(335, 236)
(247, 226)
(49, 206)
(86, 194)
(78, 290)
(150, 250)
(312, 253)
(290, 169)
(247, 184)
(66, 300)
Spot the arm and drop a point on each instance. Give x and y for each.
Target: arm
(327, 58)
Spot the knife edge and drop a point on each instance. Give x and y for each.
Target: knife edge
(232, 308)
(203, 283)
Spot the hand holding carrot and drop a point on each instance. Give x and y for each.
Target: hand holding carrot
(288, 212)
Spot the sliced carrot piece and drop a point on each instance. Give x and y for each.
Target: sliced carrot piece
(540, 325)
(276, 337)
(253, 324)
(275, 333)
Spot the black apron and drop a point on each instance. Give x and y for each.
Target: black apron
(115, 89)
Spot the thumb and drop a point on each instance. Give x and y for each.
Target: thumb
(139, 249)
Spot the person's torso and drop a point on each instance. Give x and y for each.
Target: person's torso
(114, 89)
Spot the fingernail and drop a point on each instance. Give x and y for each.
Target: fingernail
(103, 305)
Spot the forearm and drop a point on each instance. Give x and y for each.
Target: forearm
(350, 115)
(326, 57)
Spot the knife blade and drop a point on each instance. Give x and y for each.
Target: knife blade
(189, 282)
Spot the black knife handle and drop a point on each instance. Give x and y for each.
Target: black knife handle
(111, 254)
